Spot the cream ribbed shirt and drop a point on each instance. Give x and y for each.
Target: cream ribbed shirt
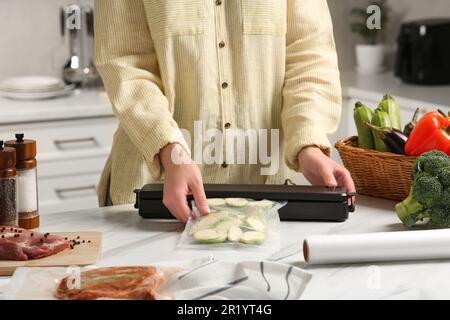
(261, 64)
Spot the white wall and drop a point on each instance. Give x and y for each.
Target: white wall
(402, 10)
(30, 42)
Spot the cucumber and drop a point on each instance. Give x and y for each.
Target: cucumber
(253, 237)
(380, 119)
(216, 202)
(236, 202)
(234, 234)
(256, 223)
(361, 115)
(209, 236)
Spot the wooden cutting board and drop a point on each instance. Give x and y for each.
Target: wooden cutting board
(81, 255)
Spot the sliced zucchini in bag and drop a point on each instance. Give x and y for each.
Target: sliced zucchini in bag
(253, 237)
(256, 223)
(209, 236)
(206, 222)
(225, 225)
(234, 234)
(236, 202)
(216, 202)
(263, 204)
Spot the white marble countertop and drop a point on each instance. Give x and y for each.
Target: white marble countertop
(79, 104)
(128, 239)
(373, 87)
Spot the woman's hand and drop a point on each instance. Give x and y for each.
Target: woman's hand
(182, 178)
(320, 170)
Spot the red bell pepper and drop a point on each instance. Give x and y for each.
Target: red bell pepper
(432, 132)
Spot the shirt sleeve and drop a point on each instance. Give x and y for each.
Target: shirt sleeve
(126, 60)
(312, 90)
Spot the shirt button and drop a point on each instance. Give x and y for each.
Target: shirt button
(224, 85)
(227, 125)
(221, 44)
(218, 2)
(224, 165)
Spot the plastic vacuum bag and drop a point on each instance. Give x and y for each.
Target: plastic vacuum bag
(234, 223)
(42, 283)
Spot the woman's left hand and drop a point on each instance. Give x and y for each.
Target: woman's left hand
(320, 170)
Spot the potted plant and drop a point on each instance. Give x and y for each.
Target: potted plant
(370, 53)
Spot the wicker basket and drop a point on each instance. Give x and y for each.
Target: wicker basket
(378, 174)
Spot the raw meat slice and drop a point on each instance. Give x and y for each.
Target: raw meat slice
(137, 283)
(22, 244)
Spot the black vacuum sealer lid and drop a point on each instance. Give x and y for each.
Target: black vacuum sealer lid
(261, 191)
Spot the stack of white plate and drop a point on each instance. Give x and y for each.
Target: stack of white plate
(34, 87)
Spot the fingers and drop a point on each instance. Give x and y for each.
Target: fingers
(177, 204)
(200, 198)
(327, 174)
(345, 180)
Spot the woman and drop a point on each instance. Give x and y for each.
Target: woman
(227, 64)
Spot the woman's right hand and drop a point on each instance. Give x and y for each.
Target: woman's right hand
(182, 178)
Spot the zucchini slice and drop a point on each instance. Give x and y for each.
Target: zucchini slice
(253, 237)
(209, 236)
(234, 234)
(225, 225)
(206, 222)
(236, 202)
(256, 223)
(216, 202)
(263, 204)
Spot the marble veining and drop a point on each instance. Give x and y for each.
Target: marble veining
(128, 239)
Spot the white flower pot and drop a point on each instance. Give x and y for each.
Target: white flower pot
(370, 58)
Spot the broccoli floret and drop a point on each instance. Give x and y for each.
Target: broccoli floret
(427, 190)
(444, 200)
(444, 177)
(430, 192)
(431, 162)
(439, 218)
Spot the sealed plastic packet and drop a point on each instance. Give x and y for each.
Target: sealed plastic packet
(234, 223)
(90, 283)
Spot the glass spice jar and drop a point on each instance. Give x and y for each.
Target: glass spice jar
(8, 186)
(26, 163)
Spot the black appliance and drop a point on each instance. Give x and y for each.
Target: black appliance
(304, 203)
(423, 55)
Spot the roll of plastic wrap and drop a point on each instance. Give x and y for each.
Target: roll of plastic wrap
(377, 247)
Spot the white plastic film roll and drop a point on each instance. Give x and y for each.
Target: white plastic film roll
(377, 247)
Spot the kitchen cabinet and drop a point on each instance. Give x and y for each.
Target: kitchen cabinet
(74, 136)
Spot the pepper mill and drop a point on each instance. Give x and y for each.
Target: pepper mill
(26, 181)
(8, 186)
